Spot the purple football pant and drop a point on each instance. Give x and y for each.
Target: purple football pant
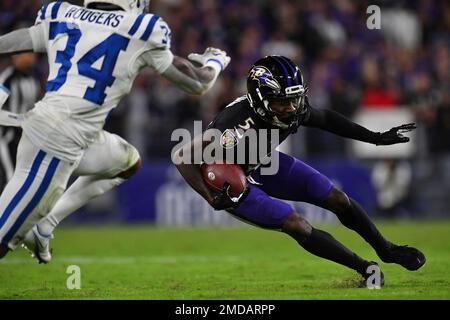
(295, 181)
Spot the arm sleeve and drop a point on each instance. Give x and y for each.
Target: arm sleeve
(16, 42)
(338, 124)
(33, 38)
(38, 34)
(158, 59)
(156, 51)
(159, 56)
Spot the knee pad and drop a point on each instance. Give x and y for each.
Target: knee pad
(134, 155)
(132, 164)
(126, 159)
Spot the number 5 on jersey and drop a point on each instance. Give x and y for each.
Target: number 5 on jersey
(109, 49)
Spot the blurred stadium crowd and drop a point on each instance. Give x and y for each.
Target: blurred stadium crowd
(346, 66)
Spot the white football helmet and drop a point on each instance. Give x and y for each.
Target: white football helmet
(133, 6)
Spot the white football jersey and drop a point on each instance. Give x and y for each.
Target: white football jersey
(94, 57)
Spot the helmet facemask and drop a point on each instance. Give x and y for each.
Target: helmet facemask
(277, 118)
(285, 119)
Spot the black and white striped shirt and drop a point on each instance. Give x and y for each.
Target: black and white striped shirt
(25, 90)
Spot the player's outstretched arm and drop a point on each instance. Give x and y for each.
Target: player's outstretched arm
(336, 123)
(198, 74)
(23, 40)
(15, 42)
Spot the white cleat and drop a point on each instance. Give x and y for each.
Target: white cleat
(38, 245)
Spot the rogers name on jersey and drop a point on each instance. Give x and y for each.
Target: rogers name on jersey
(98, 17)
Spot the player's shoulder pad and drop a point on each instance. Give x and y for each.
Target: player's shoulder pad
(233, 113)
(152, 29)
(51, 10)
(241, 101)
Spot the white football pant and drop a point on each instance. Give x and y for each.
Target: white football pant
(107, 157)
(37, 183)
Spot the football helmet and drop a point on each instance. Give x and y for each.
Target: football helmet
(276, 78)
(133, 6)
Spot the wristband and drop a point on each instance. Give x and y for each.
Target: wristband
(215, 64)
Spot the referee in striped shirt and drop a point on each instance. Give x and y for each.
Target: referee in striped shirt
(25, 91)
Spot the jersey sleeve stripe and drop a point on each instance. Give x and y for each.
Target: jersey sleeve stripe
(55, 9)
(136, 24)
(43, 12)
(149, 29)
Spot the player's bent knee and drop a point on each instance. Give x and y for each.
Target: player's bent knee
(339, 200)
(131, 171)
(3, 250)
(297, 227)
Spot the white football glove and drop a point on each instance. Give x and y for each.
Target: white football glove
(213, 57)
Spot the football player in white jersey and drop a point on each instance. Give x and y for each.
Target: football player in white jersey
(94, 53)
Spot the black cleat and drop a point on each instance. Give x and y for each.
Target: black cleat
(369, 277)
(408, 257)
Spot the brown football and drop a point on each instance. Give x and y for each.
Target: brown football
(217, 174)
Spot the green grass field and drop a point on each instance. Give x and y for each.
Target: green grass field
(216, 263)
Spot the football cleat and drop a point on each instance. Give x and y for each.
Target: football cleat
(408, 257)
(38, 245)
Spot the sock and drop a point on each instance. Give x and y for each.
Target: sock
(322, 244)
(357, 220)
(77, 195)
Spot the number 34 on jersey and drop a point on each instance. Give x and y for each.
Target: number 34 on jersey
(96, 54)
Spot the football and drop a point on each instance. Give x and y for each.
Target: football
(217, 174)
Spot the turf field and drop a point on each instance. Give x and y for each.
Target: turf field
(215, 263)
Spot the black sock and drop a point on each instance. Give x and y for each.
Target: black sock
(322, 244)
(357, 220)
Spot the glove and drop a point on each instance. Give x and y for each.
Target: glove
(223, 200)
(395, 135)
(213, 57)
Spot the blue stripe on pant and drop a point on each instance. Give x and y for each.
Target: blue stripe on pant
(36, 198)
(24, 189)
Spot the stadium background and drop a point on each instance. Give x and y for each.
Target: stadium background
(125, 243)
(388, 76)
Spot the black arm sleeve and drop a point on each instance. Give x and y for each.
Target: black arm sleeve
(338, 124)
